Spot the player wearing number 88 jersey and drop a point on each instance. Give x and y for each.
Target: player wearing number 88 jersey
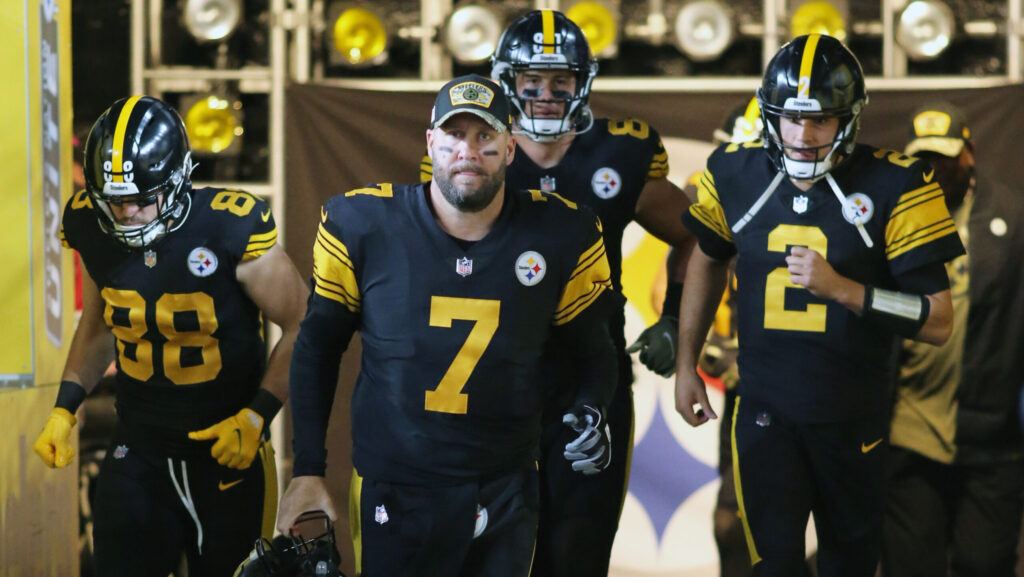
(175, 282)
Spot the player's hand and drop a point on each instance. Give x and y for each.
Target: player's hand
(591, 451)
(809, 269)
(305, 493)
(53, 445)
(238, 438)
(657, 346)
(692, 399)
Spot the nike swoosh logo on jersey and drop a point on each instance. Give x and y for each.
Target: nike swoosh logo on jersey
(265, 215)
(928, 175)
(866, 448)
(225, 486)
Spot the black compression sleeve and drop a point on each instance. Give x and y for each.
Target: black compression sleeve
(323, 337)
(590, 345)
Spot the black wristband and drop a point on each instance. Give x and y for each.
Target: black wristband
(70, 396)
(904, 314)
(266, 405)
(673, 294)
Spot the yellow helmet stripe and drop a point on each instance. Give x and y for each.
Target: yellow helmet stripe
(547, 18)
(117, 156)
(806, 64)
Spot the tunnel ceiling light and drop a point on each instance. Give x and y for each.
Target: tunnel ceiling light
(925, 29)
(213, 124)
(599, 25)
(471, 33)
(212, 20)
(360, 38)
(703, 30)
(818, 17)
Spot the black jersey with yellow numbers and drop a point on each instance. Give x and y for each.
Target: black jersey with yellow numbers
(452, 337)
(812, 358)
(189, 345)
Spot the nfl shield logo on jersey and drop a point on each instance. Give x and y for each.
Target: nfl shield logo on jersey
(380, 515)
(464, 266)
(547, 183)
(202, 262)
(800, 204)
(150, 258)
(530, 268)
(606, 182)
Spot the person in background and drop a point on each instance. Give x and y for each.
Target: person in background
(956, 470)
(619, 169)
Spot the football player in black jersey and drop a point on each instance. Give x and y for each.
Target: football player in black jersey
(175, 281)
(455, 286)
(618, 168)
(841, 247)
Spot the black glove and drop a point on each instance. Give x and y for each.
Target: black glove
(590, 452)
(657, 346)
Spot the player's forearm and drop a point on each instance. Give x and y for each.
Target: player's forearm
(275, 379)
(313, 376)
(92, 347)
(705, 282)
(939, 325)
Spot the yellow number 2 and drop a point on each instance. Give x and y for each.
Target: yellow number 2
(776, 315)
(448, 396)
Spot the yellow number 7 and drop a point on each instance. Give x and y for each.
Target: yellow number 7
(448, 396)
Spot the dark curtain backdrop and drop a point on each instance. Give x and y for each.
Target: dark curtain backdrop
(337, 139)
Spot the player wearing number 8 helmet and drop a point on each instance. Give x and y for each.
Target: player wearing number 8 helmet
(174, 282)
(840, 249)
(619, 169)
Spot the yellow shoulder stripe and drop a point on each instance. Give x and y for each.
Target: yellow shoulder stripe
(333, 274)
(708, 209)
(591, 277)
(919, 217)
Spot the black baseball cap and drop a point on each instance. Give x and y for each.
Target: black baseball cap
(938, 127)
(473, 94)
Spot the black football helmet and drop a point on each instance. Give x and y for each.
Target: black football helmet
(138, 152)
(813, 76)
(296, 555)
(546, 40)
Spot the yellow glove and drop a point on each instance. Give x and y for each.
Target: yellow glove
(238, 438)
(53, 445)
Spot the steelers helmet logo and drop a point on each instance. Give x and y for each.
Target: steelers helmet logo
(858, 205)
(606, 182)
(202, 262)
(470, 93)
(531, 268)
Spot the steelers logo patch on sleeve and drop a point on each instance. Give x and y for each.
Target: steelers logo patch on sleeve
(202, 262)
(530, 268)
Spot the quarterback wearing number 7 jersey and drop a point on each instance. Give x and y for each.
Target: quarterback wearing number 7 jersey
(456, 286)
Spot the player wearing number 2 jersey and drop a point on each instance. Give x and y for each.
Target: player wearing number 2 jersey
(840, 247)
(456, 287)
(174, 284)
